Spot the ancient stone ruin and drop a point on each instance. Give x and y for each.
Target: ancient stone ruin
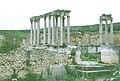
(105, 18)
(49, 64)
(52, 40)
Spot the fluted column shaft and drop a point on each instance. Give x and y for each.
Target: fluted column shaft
(49, 31)
(34, 42)
(53, 31)
(100, 32)
(31, 33)
(106, 32)
(111, 32)
(38, 31)
(44, 42)
(61, 30)
(64, 30)
(57, 30)
(68, 30)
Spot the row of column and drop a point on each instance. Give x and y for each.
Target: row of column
(52, 40)
(35, 36)
(106, 32)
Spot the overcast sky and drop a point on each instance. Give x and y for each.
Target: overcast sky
(15, 14)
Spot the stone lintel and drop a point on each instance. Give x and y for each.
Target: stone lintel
(58, 13)
(35, 18)
(106, 17)
(40, 16)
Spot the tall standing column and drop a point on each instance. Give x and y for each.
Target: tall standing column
(53, 31)
(68, 30)
(57, 30)
(106, 32)
(44, 42)
(111, 32)
(34, 42)
(31, 32)
(61, 29)
(100, 32)
(38, 31)
(49, 31)
(64, 30)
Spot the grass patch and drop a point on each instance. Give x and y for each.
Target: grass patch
(13, 39)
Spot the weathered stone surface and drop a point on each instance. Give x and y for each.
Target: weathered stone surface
(57, 72)
(110, 54)
(20, 63)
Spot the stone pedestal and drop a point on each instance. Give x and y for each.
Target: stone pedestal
(109, 55)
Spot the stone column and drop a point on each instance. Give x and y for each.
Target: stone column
(53, 31)
(38, 31)
(34, 42)
(100, 32)
(44, 42)
(68, 30)
(49, 31)
(64, 30)
(106, 32)
(111, 32)
(61, 30)
(57, 30)
(31, 32)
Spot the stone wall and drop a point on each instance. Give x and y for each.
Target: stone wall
(16, 62)
(92, 38)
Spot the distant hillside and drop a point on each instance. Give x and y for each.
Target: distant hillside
(93, 28)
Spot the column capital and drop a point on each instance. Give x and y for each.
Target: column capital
(44, 16)
(54, 15)
(61, 14)
(49, 17)
(31, 19)
(37, 19)
(68, 16)
(111, 20)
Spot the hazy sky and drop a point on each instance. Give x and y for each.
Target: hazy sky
(15, 14)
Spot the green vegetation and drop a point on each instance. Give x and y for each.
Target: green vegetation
(11, 44)
(90, 57)
(71, 74)
(64, 45)
(93, 28)
(29, 77)
(13, 39)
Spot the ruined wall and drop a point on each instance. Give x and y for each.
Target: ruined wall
(92, 38)
(16, 62)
